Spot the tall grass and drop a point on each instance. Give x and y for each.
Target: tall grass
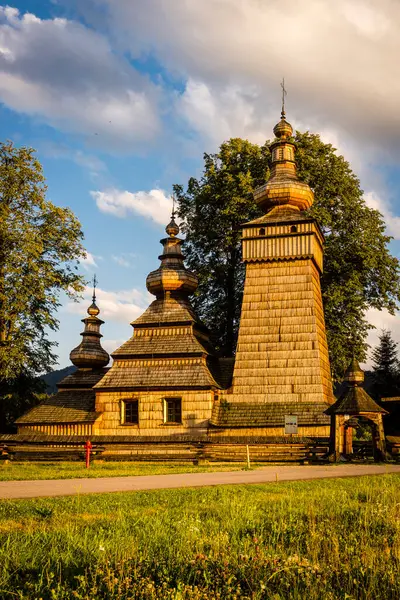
(14, 471)
(319, 540)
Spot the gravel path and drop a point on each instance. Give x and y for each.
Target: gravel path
(72, 487)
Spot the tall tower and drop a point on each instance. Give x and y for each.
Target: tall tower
(282, 353)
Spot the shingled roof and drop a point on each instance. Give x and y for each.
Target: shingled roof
(170, 347)
(82, 378)
(160, 345)
(165, 373)
(280, 216)
(167, 310)
(231, 414)
(67, 406)
(354, 401)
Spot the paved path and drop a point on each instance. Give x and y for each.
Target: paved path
(72, 487)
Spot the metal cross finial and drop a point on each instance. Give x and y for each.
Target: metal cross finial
(94, 288)
(284, 93)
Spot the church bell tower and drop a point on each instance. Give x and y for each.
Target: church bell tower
(282, 353)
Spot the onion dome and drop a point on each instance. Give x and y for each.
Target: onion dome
(171, 278)
(93, 310)
(172, 228)
(284, 190)
(354, 374)
(90, 354)
(283, 130)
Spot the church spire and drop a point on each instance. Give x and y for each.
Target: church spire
(284, 190)
(90, 354)
(171, 278)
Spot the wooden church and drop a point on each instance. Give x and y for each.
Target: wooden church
(167, 385)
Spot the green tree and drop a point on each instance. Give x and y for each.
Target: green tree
(212, 210)
(359, 271)
(40, 244)
(386, 368)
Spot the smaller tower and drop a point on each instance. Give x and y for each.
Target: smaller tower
(355, 404)
(71, 411)
(90, 354)
(163, 380)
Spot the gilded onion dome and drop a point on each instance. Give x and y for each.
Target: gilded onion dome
(90, 354)
(284, 190)
(283, 130)
(171, 278)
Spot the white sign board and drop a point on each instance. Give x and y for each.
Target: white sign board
(290, 424)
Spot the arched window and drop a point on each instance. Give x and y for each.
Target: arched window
(293, 229)
(261, 231)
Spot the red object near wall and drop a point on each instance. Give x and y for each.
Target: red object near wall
(88, 447)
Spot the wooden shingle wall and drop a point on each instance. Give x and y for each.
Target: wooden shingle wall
(196, 411)
(282, 353)
(279, 243)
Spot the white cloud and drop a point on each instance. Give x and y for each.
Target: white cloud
(124, 260)
(122, 306)
(338, 58)
(68, 75)
(373, 200)
(90, 261)
(218, 114)
(154, 205)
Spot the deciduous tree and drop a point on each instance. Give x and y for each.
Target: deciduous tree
(359, 270)
(40, 244)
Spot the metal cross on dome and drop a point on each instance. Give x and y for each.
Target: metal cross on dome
(94, 287)
(284, 93)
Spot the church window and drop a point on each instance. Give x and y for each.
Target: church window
(172, 410)
(130, 412)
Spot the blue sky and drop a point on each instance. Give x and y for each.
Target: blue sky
(122, 97)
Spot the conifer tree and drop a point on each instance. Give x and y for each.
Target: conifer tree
(386, 367)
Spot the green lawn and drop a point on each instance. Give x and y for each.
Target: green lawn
(311, 540)
(21, 471)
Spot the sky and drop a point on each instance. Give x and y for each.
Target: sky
(121, 98)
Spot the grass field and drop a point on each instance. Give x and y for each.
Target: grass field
(315, 540)
(69, 470)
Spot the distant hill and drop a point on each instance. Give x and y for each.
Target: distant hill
(51, 379)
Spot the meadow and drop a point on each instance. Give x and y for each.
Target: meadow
(315, 540)
(23, 471)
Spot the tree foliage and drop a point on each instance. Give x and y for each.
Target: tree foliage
(359, 271)
(39, 246)
(386, 367)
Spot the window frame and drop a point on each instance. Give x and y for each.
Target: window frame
(124, 403)
(166, 410)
